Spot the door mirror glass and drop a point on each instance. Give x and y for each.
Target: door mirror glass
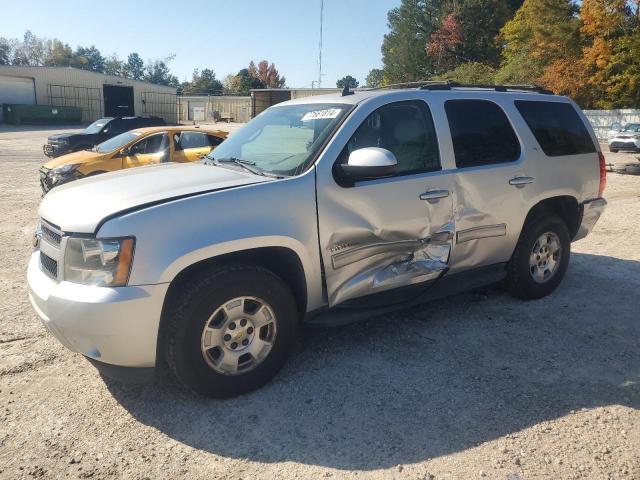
(368, 163)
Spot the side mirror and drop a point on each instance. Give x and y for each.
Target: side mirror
(368, 163)
(125, 152)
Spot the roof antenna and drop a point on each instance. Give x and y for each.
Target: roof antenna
(345, 90)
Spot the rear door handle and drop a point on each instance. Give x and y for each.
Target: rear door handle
(434, 195)
(520, 182)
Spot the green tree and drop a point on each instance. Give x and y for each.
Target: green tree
(31, 51)
(158, 72)
(470, 73)
(89, 58)
(58, 54)
(6, 49)
(541, 32)
(404, 47)
(374, 78)
(202, 82)
(114, 66)
(481, 21)
(134, 67)
(353, 83)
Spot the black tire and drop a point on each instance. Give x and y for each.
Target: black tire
(613, 150)
(519, 278)
(191, 309)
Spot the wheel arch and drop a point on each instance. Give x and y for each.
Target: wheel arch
(566, 207)
(282, 261)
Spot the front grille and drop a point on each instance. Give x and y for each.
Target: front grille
(51, 236)
(49, 265)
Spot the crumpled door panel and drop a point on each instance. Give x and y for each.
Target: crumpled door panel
(381, 264)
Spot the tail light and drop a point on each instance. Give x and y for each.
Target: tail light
(603, 174)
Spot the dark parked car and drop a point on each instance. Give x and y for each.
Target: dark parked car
(96, 133)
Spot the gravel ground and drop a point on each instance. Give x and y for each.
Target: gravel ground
(476, 386)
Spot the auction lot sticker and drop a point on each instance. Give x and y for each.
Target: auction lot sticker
(321, 114)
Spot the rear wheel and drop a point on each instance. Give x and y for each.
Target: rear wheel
(540, 259)
(613, 150)
(230, 330)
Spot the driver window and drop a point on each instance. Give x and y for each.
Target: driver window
(151, 144)
(404, 128)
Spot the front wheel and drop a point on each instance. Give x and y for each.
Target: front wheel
(230, 330)
(540, 259)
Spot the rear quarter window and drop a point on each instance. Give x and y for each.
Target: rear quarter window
(557, 127)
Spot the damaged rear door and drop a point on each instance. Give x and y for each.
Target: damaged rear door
(387, 233)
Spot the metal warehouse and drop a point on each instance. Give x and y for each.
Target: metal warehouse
(97, 95)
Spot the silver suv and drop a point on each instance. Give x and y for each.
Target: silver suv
(320, 210)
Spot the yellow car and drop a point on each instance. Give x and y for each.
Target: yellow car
(135, 148)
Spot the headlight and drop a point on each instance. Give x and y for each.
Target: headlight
(100, 262)
(65, 169)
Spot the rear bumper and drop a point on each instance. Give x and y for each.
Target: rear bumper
(116, 326)
(591, 211)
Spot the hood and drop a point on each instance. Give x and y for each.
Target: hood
(60, 136)
(80, 206)
(83, 156)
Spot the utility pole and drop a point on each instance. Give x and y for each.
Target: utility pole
(320, 49)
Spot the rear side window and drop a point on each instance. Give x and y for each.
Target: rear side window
(557, 127)
(192, 140)
(481, 133)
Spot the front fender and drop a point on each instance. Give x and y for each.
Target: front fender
(174, 235)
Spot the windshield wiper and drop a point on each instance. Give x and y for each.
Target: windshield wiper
(246, 164)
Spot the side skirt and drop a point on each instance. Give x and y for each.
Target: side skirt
(445, 286)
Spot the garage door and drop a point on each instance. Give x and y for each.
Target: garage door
(16, 90)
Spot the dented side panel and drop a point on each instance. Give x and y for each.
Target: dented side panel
(379, 235)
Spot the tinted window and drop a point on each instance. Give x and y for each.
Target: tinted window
(481, 133)
(152, 144)
(557, 127)
(191, 140)
(632, 127)
(214, 141)
(405, 129)
(116, 126)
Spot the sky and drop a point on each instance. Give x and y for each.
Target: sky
(221, 35)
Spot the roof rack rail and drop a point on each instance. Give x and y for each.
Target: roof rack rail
(497, 88)
(448, 85)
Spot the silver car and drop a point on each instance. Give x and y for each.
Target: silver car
(628, 138)
(321, 210)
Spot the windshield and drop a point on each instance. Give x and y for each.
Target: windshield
(96, 126)
(282, 140)
(632, 127)
(116, 142)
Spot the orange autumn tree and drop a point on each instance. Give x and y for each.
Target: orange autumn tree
(610, 57)
(444, 44)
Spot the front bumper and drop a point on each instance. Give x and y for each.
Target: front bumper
(632, 144)
(48, 180)
(53, 150)
(116, 326)
(591, 211)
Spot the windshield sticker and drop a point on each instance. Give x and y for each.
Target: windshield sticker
(321, 114)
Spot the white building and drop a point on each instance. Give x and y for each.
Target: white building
(96, 94)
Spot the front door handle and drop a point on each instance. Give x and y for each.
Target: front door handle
(520, 182)
(434, 195)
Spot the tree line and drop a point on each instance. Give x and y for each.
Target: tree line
(37, 51)
(589, 50)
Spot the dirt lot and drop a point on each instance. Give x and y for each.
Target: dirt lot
(477, 386)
